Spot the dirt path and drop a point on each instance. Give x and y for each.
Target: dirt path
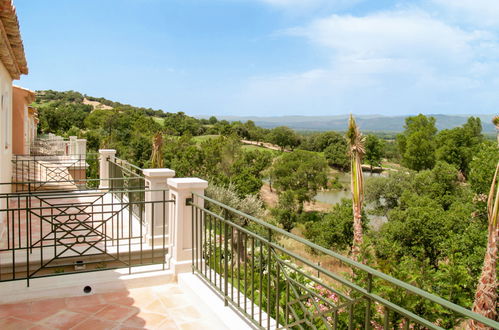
(264, 145)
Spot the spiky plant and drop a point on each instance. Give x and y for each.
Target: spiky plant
(157, 144)
(495, 121)
(486, 290)
(355, 142)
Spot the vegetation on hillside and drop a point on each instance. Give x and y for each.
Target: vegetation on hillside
(434, 196)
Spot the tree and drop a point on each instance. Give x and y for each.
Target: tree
(374, 151)
(337, 154)
(356, 146)
(300, 172)
(482, 167)
(213, 120)
(457, 146)
(284, 137)
(416, 144)
(334, 230)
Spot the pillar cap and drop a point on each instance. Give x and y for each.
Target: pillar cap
(158, 172)
(187, 183)
(107, 151)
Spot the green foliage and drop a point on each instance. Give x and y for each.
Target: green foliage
(416, 144)
(457, 146)
(220, 160)
(334, 230)
(374, 150)
(337, 155)
(180, 124)
(301, 172)
(482, 167)
(59, 117)
(384, 192)
(284, 137)
(320, 141)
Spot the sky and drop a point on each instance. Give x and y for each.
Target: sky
(269, 57)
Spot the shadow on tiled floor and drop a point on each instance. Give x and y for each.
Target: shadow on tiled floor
(158, 307)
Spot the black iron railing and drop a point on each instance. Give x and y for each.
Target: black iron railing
(128, 183)
(244, 259)
(48, 233)
(35, 173)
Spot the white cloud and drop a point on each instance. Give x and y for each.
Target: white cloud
(477, 12)
(399, 34)
(400, 61)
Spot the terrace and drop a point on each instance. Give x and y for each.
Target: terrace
(139, 248)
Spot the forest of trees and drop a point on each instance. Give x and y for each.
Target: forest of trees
(434, 197)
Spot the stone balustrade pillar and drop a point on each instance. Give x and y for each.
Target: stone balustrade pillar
(72, 146)
(157, 211)
(180, 251)
(104, 156)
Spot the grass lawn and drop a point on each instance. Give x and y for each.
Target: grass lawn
(201, 138)
(159, 120)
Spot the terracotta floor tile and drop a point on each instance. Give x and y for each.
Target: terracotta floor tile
(82, 301)
(64, 320)
(48, 305)
(116, 312)
(37, 316)
(12, 323)
(92, 309)
(40, 327)
(14, 309)
(95, 324)
(146, 320)
(119, 297)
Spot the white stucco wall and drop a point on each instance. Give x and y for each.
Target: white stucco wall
(5, 127)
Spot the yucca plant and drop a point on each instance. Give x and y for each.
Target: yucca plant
(486, 291)
(157, 144)
(355, 142)
(495, 121)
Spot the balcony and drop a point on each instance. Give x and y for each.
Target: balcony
(138, 248)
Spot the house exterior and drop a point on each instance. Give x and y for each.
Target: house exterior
(24, 120)
(12, 65)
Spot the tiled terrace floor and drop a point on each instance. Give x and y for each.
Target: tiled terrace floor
(158, 307)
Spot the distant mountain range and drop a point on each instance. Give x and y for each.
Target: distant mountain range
(373, 123)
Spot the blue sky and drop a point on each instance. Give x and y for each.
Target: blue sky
(269, 57)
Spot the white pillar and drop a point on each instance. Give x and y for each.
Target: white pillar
(157, 214)
(72, 146)
(81, 147)
(104, 156)
(180, 228)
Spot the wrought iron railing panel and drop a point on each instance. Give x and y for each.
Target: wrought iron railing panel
(55, 232)
(34, 173)
(243, 259)
(128, 183)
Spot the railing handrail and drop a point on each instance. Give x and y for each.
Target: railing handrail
(119, 162)
(415, 290)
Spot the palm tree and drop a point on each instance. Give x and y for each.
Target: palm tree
(486, 291)
(156, 158)
(355, 142)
